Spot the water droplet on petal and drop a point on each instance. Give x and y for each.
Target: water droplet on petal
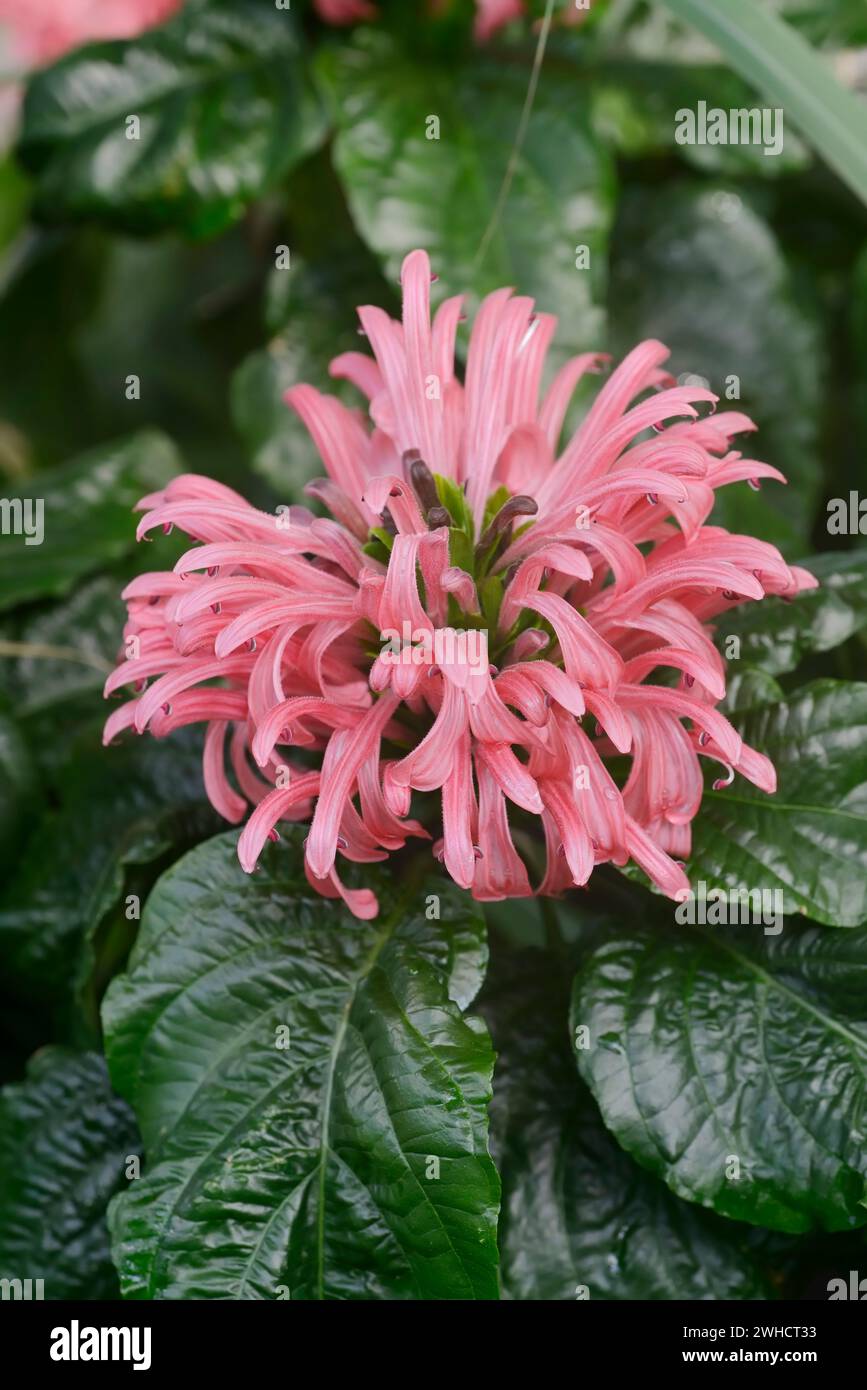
(755, 484)
(689, 680)
(168, 528)
(251, 645)
(273, 835)
(478, 852)
(167, 709)
(216, 608)
(652, 498)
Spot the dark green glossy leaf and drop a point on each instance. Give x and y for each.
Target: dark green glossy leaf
(406, 190)
(699, 269)
(577, 1212)
(304, 1170)
(119, 807)
(87, 516)
(18, 783)
(733, 1064)
(224, 109)
(777, 635)
(56, 654)
(747, 686)
(65, 1140)
(809, 840)
(64, 651)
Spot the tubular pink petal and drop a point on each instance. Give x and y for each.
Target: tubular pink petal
(224, 799)
(458, 810)
(757, 769)
(119, 719)
(271, 809)
(500, 872)
(683, 660)
(343, 757)
(559, 801)
(511, 776)
(669, 877)
(687, 707)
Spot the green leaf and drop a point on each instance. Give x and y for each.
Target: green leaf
(733, 1065)
(224, 109)
(303, 1170)
(454, 499)
(699, 269)
(86, 510)
(18, 782)
(64, 1142)
(777, 635)
(809, 840)
(406, 190)
(576, 1209)
(119, 807)
(780, 64)
(64, 651)
(749, 686)
(56, 654)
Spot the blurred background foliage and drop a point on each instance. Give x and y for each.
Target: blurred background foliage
(263, 131)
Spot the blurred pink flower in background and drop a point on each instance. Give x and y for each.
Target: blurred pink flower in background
(344, 11)
(36, 32)
(578, 570)
(491, 15)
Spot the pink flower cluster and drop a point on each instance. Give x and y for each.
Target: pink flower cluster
(588, 567)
